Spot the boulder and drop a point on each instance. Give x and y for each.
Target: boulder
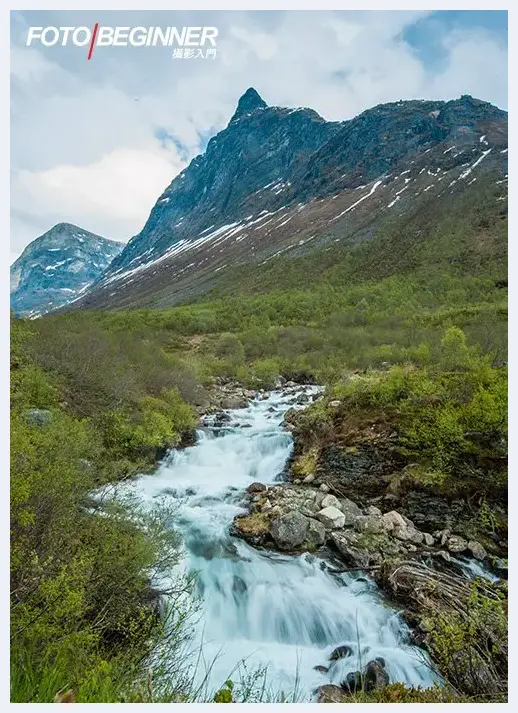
(330, 502)
(321, 669)
(393, 520)
(38, 416)
(290, 530)
(331, 518)
(353, 682)
(330, 693)
(316, 534)
(477, 550)
(368, 524)
(455, 543)
(375, 675)
(348, 545)
(372, 511)
(341, 652)
(350, 510)
(257, 488)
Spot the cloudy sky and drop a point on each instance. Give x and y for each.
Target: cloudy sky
(95, 143)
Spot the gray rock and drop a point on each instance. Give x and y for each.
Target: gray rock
(331, 518)
(368, 524)
(290, 530)
(373, 511)
(324, 488)
(348, 546)
(350, 510)
(330, 502)
(267, 506)
(38, 417)
(334, 404)
(316, 534)
(428, 539)
(456, 543)
(477, 550)
(393, 520)
(353, 682)
(309, 478)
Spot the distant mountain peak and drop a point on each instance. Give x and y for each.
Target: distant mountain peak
(248, 102)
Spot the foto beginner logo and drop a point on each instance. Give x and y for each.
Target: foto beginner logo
(106, 36)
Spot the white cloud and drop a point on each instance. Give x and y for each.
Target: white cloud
(84, 146)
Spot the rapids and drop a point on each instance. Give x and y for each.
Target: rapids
(261, 609)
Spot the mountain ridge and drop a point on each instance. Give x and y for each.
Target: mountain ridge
(57, 266)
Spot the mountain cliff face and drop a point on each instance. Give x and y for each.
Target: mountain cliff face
(276, 179)
(57, 267)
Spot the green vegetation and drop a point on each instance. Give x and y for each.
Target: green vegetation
(419, 314)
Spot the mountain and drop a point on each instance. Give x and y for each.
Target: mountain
(57, 267)
(278, 179)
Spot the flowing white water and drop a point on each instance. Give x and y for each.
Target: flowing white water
(286, 613)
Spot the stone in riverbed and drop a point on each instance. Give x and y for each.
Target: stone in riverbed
(350, 510)
(375, 675)
(331, 518)
(428, 539)
(373, 511)
(256, 488)
(341, 652)
(324, 488)
(329, 693)
(477, 550)
(349, 545)
(330, 502)
(368, 524)
(316, 532)
(309, 478)
(392, 520)
(290, 530)
(456, 543)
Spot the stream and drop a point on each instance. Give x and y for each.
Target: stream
(263, 610)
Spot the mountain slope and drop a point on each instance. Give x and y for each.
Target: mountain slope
(56, 267)
(277, 180)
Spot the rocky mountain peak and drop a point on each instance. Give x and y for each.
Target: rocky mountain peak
(249, 102)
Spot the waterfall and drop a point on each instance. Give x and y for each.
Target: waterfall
(261, 609)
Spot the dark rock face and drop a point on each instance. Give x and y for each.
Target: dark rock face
(270, 163)
(56, 267)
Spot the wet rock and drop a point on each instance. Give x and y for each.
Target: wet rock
(330, 694)
(392, 520)
(257, 488)
(221, 417)
(321, 669)
(375, 675)
(38, 417)
(373, 511)
(341, 652)
(349, 545)
(330, 502)
(316, 532)
(456, 543)
(353, 682)
(290, 530)
(252, 528)
(368, 524)
(477, 550)
(331, 518)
